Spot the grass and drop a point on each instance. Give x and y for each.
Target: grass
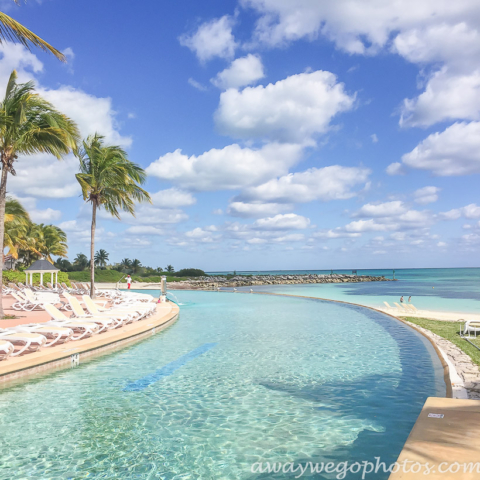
(450, 331)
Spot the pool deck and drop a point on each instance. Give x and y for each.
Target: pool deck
(446, 436)
(74, 352)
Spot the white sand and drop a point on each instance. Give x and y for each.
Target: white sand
(434, 315)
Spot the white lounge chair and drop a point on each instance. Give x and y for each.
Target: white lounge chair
(126, 316)
(79, 312)
(83, 328)
(472, 326)
(133, 303)
(53, 333)
(34, 301)
(27, 341)
(387, 305)
(401, 307)
(21, 303)
(6, 349)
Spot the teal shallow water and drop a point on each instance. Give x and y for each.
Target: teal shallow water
(438, 289)
(282, 379)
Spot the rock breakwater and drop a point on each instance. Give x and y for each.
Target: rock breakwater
(213, 283)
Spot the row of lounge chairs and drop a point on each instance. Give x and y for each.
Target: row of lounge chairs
(402, 307)
(88, 318)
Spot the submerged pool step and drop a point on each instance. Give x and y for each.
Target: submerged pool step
(167, 369)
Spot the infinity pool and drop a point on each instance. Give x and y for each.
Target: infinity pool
(238, 379)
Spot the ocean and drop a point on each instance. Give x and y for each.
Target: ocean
(440, 289)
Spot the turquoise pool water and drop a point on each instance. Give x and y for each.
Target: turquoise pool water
(238, 379)
(438, 289)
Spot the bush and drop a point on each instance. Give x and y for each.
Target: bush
(190, 272)
(16, 276)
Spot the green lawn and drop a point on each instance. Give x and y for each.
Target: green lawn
(450, 331)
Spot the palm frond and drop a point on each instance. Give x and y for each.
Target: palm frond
(13, 31)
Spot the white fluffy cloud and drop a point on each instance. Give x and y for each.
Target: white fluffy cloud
(288, 221)
(455, 151)
(37, 215)
(291, 110)
(333, 234)
(172, 198)
(356, 27)
(242, 71)
(447, 96)
(454, 43)
(212, 39)
(203, 235)
(249, 210)
(426, 195)
(469, 211)
(328, 183)
(386, 209)
(410, 219)
(145, 230)
(43, 175)
(229, 168)
(92, 114)
(442, 33)
(395, 168)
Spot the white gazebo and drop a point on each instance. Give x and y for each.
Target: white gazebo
(42, 266)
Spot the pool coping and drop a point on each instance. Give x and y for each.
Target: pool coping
(71, 354)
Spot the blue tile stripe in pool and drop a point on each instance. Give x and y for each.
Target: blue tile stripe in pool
(167, 370)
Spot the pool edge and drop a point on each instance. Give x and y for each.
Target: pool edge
(73, 353)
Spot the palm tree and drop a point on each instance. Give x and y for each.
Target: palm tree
(11, 30)
(170, 269)
(17, 221)
(109, 180)
(136, 265)
(126, 263)
(29, 125)
(42, 241)
(101, 257)
(52, 240)
(81, 261)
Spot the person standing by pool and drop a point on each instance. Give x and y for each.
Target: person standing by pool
(129, 281)
(401, 298)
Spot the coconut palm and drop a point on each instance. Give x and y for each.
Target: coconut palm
(29, 125)
(42, 241)
(101, 257)
(52, 240)
(11, 30)
(170, 269)
(81, 261)
(136, 265)
(126, 264)
(17, 221)
(108, 180)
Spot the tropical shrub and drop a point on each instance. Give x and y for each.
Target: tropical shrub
(15, 276)
(190, 272)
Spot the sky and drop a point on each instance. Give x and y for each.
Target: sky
(329, 134)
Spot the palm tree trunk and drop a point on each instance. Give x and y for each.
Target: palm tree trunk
(92, 250)
(3, 194)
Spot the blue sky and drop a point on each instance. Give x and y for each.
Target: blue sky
(276, 134)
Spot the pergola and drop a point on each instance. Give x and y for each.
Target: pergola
(42, 266)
